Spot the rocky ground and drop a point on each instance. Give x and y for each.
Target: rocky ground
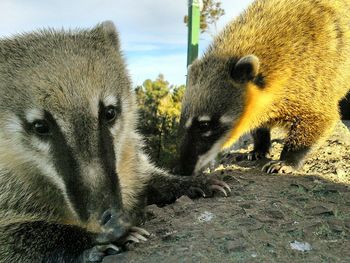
(303, 217)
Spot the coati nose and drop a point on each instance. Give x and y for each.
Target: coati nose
(107, 217)
(114, 225)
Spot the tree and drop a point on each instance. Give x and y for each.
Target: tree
(159, 105)
(211, 13)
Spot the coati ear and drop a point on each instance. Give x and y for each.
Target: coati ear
(246, 69)
(109, 32)
(193, 71)
(192, 65)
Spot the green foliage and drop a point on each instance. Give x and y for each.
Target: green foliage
(159, 106)
(210, 14)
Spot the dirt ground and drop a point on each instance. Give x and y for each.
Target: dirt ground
(303, 217)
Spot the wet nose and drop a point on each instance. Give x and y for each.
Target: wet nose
(114, 225)
(107, 217)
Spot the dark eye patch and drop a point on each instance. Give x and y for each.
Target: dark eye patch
(109, 114)
(43, 128)
(209, 129)
(205, 126)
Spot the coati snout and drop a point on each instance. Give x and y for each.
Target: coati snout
(114, 224)
(74, 152)
(205, 126)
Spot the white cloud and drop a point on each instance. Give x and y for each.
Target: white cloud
(147, 17)
(153, 29)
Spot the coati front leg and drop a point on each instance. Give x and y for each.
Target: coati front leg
(41, 241)
(164, 188)
(303, 134)
(262, 144)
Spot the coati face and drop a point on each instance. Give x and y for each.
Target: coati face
(63, 114)
(212, 105)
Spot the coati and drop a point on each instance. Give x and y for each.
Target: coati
(280, 63)
(73, 175)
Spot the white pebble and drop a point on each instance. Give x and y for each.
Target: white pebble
(300, 246)
(206, 216)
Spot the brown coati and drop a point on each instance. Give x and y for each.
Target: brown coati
(73, 175)
(280, 63)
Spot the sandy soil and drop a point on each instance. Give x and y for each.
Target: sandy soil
(303, 217)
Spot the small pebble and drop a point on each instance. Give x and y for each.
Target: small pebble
(206, 216)
(300, 246)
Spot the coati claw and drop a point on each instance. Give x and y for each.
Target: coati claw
(277, 167)
(140, 230)
(206, 187)
(173, 187)
(222, 184)
(250, 156)
(136, 235)
(110, 247)
(99, 252)
(218, 188)
(132, 239)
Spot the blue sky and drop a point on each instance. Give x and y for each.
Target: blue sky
(152, 32)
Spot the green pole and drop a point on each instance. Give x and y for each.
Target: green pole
(194, 12)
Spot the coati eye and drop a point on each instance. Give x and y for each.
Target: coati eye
(41, 127)
(203, 126)
(110, 113)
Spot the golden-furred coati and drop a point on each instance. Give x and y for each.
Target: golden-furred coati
(73, 175)
(280, 63)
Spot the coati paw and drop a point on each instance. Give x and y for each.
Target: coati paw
(136, 235)
(203, 187)
(277, 167)
(99, 252)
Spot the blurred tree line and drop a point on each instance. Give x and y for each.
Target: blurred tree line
(159, 110)
(159, 102)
